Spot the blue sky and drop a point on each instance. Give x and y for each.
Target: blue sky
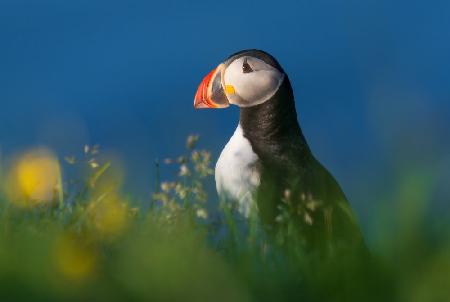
(371, 79)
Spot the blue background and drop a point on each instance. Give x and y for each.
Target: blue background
(371, 80)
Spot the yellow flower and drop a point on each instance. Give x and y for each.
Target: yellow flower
(36, 178)
(109, 215)
(74, 260)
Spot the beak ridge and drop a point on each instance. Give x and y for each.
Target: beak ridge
(201, 96)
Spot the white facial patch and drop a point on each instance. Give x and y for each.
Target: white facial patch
(254, 87)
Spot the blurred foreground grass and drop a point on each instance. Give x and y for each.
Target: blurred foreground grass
(85, 240)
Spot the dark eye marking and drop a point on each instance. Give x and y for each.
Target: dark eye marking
(246, 67)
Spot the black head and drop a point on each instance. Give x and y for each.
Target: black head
(259, 54)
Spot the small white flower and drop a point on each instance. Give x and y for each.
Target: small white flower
(202, 213)
(308, 219)
(165, 186)
(94, 165)
(287, 194)
(70, 160)
(184, 170)
(191, 141)
(279, 219)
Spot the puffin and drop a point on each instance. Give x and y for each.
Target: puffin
(267, 166)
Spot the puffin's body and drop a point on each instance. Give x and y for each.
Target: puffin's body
(268, 160)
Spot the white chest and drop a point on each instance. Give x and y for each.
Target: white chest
(237, 173)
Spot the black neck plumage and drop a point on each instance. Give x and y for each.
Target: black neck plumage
(273, 130)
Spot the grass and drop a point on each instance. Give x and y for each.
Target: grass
(92, 242)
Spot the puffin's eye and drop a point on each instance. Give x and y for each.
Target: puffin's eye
(246, 67)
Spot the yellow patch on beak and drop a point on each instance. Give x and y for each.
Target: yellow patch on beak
(229, 89)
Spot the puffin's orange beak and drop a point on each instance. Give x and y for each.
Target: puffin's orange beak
(210, 92)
